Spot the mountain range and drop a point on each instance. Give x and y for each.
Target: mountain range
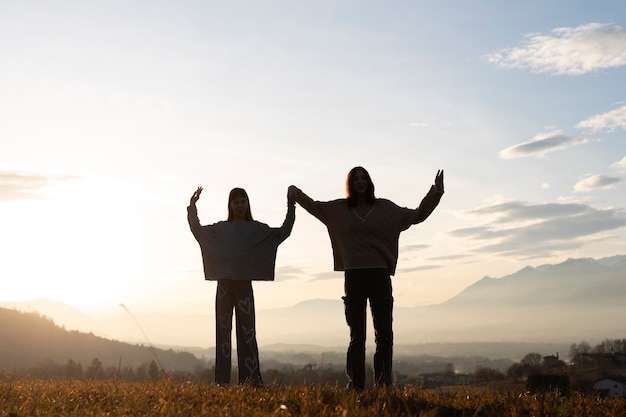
(579, 299)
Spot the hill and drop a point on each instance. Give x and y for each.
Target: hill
(29, 339)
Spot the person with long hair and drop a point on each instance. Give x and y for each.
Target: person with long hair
(364, 233)
(234, 253)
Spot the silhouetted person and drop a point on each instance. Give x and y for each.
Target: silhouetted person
(235, 252)
(364, 232)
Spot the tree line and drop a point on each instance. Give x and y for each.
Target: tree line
(150, 371)
(533, 368)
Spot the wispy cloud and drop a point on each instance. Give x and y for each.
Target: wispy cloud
(567, 51)
(290, 272)
(608, 121)
(418, 268)
(437, 259)
(511, 211)
(416, 247)
(322, 276)
(15, 185)
(541, 144)
(620, 164)
(594, 182)
(523, 230)
(448, 257)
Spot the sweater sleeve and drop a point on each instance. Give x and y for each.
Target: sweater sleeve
(313, 207)
(290, 218)
(427, 206)
(194, 222)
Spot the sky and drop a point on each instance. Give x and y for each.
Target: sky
(112, 113)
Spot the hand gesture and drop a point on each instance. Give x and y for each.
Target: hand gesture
(439, 181)
(195, 197)
(291, 195)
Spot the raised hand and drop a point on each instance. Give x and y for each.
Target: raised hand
(195, 197)
(439, 181)
(291, 195)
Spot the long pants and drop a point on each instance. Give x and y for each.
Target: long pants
(237, 295)
(360, 285)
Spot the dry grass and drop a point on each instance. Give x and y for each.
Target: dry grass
(26, 397)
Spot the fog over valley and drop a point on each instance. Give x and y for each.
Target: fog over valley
(579, 299)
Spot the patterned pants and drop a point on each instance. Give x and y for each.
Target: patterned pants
(237, 295)
(360, 285)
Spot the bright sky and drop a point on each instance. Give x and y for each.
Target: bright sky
(113, 112)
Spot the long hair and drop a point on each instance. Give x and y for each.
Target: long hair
(236, 193)
(370, 198)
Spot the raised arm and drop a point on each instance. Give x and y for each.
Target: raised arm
(192, 213)
(430, 201)
(305, 202)
(290, 218)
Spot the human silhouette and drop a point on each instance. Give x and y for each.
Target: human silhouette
(234, 253)
(364, 232)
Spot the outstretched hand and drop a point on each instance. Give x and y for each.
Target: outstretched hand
(439, 181)
(195, 197)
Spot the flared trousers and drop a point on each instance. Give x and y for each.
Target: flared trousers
(238, 296)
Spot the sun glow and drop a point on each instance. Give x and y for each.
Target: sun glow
(78, 244)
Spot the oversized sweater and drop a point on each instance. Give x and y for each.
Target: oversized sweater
(240, 249)
(369, 241)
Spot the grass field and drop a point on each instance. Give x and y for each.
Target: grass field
(27, 397)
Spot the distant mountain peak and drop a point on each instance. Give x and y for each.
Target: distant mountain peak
(575, 280)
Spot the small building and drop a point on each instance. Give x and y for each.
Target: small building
(611, 386)
(552, 362)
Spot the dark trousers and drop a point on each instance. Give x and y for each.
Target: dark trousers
(237, 295)
(360, 285)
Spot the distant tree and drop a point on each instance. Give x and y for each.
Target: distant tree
(584, 347)
(112, 372)
(180, 376)
(203, 374)
(142, 372)
(449, 369)
(153, 371)
(532, 360)
(272, 376)
(73, 370)
(95, 370)
(529, 365)
(578, 352)
(484, 374)
(610, 346)
(515, 372)
(128, 374)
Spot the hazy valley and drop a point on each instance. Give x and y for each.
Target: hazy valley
(546, 307)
